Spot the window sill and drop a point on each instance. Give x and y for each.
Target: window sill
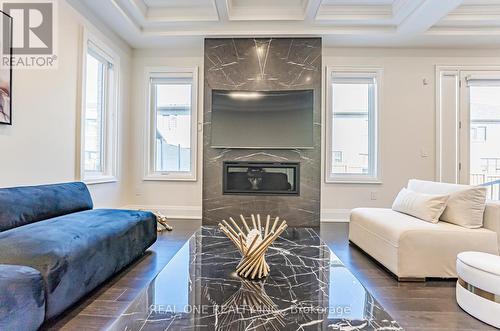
(374, 181)
(170, 178)
(100, 180)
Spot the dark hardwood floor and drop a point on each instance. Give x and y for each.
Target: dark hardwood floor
(428, 306)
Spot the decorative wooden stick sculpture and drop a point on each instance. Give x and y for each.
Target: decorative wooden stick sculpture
(253, 243)
(161, 222)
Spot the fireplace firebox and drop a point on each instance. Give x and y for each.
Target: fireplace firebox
(261, 178)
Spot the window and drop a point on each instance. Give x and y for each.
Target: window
(98, 158)
(172, 125)
(352, 126)
(478, 133)
(482, 99)
(468, 126)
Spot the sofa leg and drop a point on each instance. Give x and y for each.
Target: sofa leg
(411, 279)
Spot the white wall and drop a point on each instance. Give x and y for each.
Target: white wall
(407, 125)
(176, 198)
(41, 146)
(407, 119)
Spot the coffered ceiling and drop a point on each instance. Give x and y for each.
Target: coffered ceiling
(392, 23)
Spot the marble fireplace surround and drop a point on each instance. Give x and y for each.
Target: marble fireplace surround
(263, 64)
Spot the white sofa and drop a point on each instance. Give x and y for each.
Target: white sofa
(413, 249)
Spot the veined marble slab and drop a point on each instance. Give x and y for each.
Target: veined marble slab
(262, 64)
(308, 289)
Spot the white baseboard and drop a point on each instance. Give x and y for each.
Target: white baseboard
(335, 215)
(173, 212)
(194, 213)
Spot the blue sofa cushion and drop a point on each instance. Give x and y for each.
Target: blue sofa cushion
(22, 298)
(24, 205)
(77, 252)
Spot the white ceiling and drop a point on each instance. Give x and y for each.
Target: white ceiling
(380, 23)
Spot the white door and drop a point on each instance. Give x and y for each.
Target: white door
(479, 128)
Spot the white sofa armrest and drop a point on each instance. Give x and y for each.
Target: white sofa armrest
(492, 217)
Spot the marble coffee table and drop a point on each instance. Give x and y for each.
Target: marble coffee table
(308, 289)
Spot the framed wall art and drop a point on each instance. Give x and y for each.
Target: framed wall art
(6, 69)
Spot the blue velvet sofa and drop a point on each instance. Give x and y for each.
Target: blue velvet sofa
(55, 248)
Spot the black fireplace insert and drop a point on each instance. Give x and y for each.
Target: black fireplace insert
(261, 178)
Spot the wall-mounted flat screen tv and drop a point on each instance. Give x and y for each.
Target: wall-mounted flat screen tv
(262, 119)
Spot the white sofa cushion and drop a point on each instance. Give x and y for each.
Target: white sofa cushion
(427, 207)
(466, 204)
(410, 247)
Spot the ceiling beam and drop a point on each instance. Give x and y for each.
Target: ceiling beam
(355, 14)
(285, 29)
(312, 10)
(141, 6)
(426, 15)
(135, 10)
(125, 16)
(401, 9)
(222, 10)
(473, 16)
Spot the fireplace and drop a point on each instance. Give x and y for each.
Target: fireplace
(261, 178)
(258, 184)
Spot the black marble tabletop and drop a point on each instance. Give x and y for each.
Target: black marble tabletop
(308, 288)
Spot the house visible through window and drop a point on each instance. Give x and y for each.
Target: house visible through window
(478, 133)
(172, 126)
(338, 157)
(353, 126)
(99, 114)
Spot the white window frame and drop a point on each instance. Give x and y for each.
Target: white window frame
(458, 170)
(171, 74)
(374, 143)
(110, 120)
